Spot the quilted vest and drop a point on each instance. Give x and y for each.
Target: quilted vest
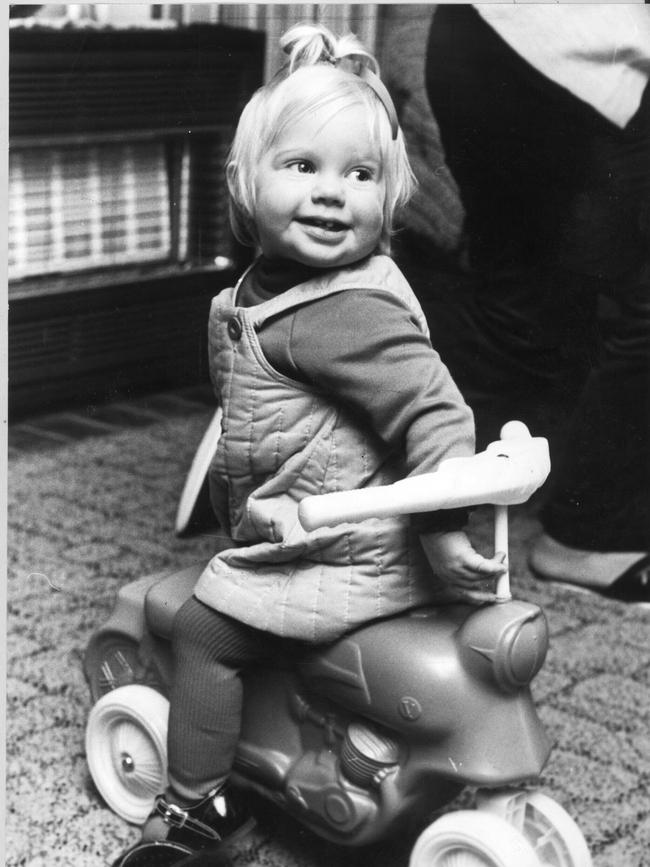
(281, 441)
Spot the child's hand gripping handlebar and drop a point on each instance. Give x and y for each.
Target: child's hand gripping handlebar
(508, 472)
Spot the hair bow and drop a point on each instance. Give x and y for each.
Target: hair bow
(357, 65)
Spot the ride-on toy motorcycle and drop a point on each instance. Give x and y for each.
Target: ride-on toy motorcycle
(385, 725)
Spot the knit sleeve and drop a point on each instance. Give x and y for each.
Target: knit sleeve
(365, 349)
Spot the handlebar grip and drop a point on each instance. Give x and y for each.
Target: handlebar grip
(506, 473)
(415, 494)
(327, 510)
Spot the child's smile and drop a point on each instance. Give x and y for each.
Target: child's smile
(320, 192)
(326, 225)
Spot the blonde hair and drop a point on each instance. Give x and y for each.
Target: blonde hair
(324, 73)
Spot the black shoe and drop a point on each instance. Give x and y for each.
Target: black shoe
(623, 576)
(173, 834)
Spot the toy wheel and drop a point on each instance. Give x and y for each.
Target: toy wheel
(470, 838)
(555, 837)
(126, 749)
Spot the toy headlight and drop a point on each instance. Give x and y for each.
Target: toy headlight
(507, 643)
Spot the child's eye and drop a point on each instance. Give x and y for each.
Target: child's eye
(301, 166)
(361, 174)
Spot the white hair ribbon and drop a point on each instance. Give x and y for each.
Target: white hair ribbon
(354, 63)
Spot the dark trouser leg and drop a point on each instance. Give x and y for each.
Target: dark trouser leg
(601, 485)
(210, 650)
(557, 212)
(601, 496)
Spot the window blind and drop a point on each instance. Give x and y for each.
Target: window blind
(88, 206)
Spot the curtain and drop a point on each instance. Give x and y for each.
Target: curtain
(275, 18)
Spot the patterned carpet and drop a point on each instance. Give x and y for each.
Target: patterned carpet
(88, 515)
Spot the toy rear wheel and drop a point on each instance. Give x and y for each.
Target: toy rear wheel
(470, 838)
(554, 836)
(126, 749)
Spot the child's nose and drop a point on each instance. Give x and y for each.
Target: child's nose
(328, 187)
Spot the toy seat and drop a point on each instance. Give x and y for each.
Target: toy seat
(165, 597)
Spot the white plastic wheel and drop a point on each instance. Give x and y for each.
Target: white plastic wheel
(198, 473)
(554, 836)
(126, 749)
(471, 838)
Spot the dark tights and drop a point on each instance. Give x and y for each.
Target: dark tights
(210, 651)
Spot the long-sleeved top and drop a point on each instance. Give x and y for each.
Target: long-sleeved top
(600, 52)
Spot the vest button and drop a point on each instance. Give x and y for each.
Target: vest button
(234, 328)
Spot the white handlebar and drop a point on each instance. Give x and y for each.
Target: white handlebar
(507, 472)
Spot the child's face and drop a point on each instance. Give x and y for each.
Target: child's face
(320, 192)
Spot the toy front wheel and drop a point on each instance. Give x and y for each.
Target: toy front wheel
(554, 836)
(470, 838)
(126, 749)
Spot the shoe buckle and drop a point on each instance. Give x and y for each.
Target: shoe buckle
(172, 814)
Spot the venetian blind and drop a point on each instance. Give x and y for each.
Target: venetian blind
(72, 208)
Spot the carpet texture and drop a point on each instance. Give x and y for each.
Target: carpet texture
(87, 517)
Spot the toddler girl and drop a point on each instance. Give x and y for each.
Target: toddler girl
(322, 364)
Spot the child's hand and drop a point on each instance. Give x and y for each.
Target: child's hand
(463, 569)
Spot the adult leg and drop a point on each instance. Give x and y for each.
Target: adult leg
(520, 341)
(601, 500)
(557, 211)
